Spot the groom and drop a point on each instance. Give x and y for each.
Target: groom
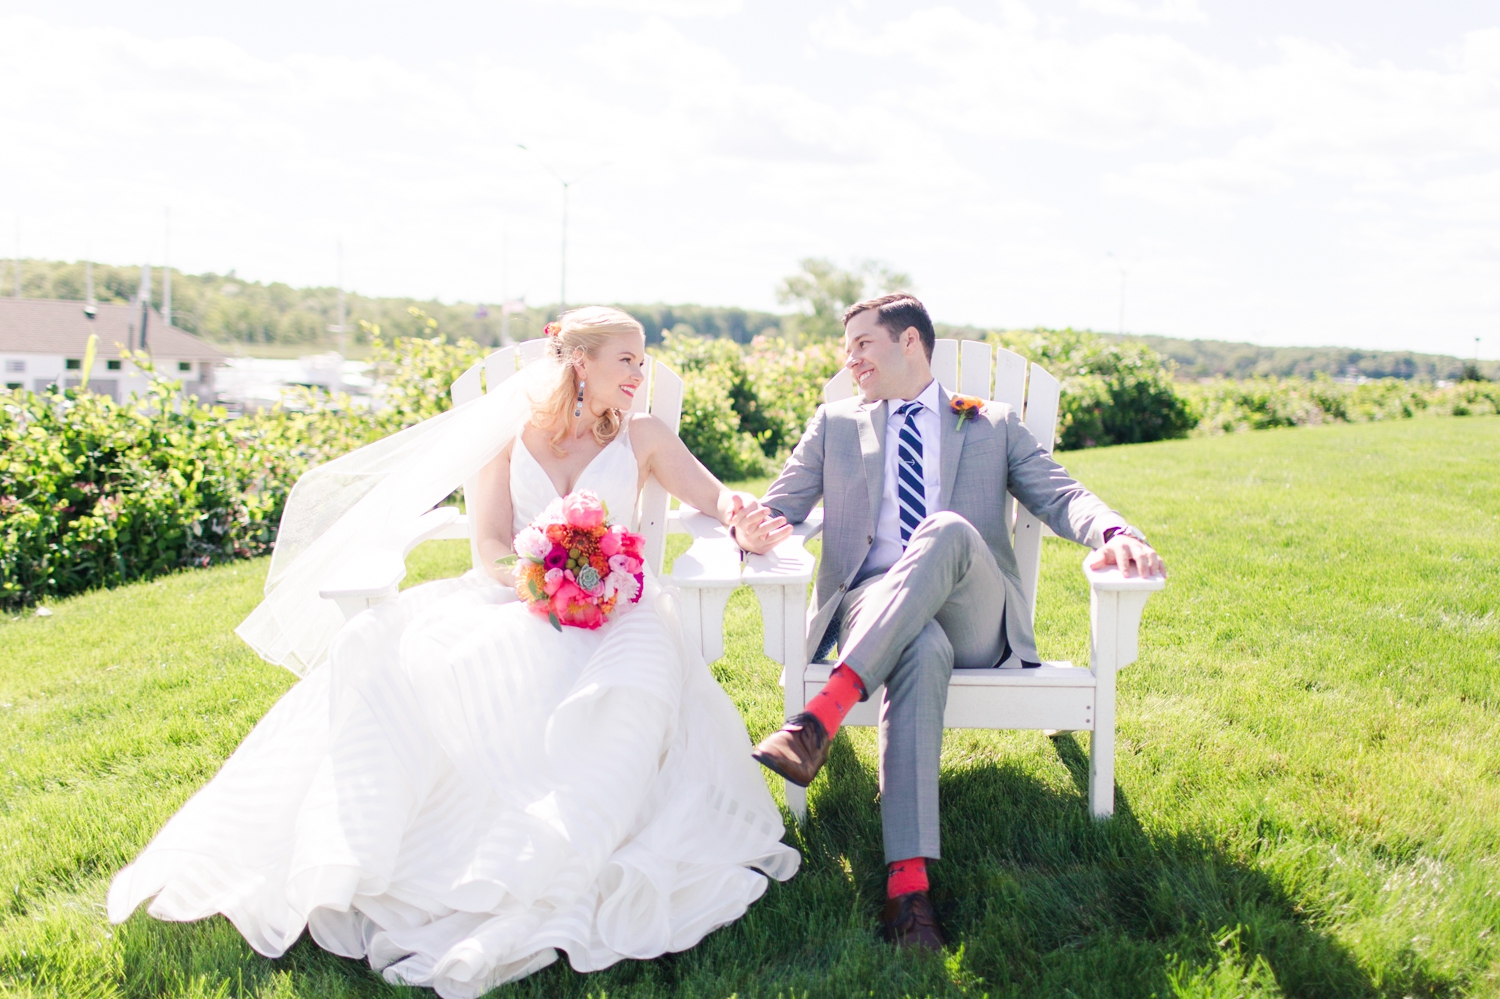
(917, 575)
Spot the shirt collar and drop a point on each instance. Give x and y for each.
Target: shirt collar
(928, 398)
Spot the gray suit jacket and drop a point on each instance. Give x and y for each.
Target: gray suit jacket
(841, 459)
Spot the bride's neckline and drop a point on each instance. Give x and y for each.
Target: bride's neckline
(584, 471)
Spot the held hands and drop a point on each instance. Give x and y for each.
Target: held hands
(1135, 558)
(754, 527)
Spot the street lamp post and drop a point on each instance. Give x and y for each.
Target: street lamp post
(566, 182)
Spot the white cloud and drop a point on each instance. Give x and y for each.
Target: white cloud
(1180, 11)
(664, 8)
(994, 157)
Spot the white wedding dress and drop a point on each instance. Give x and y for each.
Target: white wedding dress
(460, 791)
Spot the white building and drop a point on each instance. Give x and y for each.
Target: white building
(42, 342)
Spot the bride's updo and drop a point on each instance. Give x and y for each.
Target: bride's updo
(587, 329)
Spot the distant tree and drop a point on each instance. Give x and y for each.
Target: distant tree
(822, 291)
(1471, 373)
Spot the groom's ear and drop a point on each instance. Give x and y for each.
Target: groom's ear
(910, 340)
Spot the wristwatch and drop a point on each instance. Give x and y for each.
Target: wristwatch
(1127, 530)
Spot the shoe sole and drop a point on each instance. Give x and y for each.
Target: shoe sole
(769, 764)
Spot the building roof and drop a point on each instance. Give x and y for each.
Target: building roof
(55, 326)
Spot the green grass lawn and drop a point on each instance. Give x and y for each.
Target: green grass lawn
(1308, 766)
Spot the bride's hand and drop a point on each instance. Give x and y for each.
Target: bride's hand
(757, 529)
(731, 502)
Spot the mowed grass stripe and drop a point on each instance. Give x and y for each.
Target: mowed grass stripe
(1309, 768)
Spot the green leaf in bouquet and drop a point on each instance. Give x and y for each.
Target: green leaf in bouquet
(552, 616)
(506, 561)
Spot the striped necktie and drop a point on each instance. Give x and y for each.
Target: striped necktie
(911, 494)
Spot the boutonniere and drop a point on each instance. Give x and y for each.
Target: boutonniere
(965, 407)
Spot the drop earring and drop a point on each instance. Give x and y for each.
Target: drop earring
(578, 407)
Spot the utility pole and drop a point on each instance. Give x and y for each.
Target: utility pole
(562, 293)
(145, 296)
(166, 269)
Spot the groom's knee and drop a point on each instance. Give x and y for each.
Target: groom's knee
(946, 529)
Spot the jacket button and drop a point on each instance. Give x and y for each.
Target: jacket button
(843, 586)
(870, 539)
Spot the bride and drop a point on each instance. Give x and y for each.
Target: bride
(456, 791)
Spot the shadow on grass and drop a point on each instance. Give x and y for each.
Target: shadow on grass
(1046, 901)
(1039, 900)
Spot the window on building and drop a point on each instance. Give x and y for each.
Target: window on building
(15, 367)
(112, 365)
(184, 365)
(15, 385)
(73, 364)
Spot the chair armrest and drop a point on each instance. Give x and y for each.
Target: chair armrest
(712, 561)
(1115, 605)
(377, 572)
(695, 523)
(706, 575)
(811, 527)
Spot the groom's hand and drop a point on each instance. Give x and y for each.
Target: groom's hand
(756, 530)
(1135, 558)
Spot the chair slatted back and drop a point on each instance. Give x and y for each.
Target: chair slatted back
(972, 367)
(661, 396)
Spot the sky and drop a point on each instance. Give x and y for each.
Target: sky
(1287, 173)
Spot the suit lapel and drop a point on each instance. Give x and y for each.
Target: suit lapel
(952, 438)
(871, 420)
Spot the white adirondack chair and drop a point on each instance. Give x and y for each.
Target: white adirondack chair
(706, 574)
(1058, 696)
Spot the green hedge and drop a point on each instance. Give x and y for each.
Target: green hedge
(94, 493)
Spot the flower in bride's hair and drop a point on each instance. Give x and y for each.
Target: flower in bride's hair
(582, 509)
(532, 543)
(552, 329)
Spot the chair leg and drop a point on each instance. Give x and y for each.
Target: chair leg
(1102, 773)
(796, 800)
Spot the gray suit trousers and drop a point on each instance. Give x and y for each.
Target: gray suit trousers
(938, 608)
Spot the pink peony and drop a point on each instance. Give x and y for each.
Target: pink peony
(552, 581)
(617, 563)
(583, 510)
(609, 545)
(532, 544)
(581, 614)
(623, 585)
(632, 565)
(566, 593)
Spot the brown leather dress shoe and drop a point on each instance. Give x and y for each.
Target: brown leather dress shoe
(796, 751)
(909, 921)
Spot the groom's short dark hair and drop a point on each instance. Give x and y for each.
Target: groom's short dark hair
(897, 312)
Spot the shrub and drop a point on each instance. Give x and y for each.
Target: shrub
(721, 421)
(93, 493)
(1228, 406)
(1112, 393)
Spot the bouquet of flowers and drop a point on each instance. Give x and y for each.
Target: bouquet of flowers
(574, 569)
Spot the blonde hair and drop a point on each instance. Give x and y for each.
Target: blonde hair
(587, 329)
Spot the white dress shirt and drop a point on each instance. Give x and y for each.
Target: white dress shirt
(887, 547)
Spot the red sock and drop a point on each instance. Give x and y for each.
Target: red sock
(842, 691)
(906, 876)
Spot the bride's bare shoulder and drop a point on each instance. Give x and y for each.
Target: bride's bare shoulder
(646, 429)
